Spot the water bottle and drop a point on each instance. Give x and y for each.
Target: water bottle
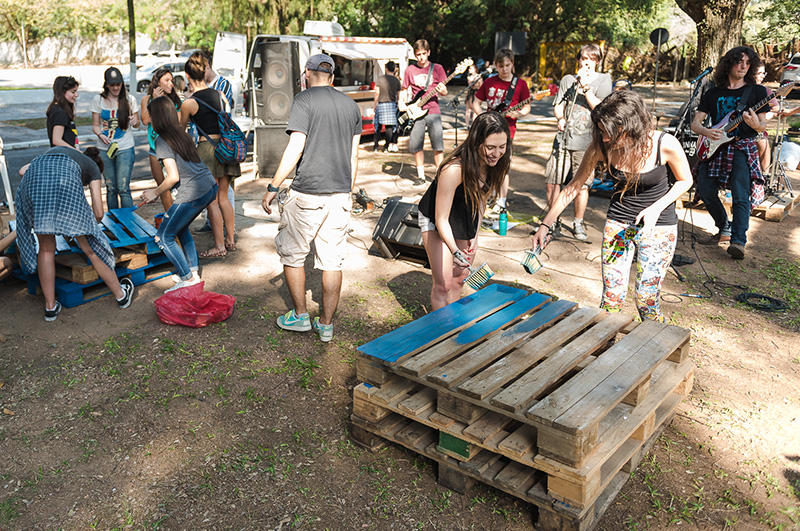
(503, 222)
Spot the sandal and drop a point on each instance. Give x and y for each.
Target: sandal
(213, 253)
(230, 247)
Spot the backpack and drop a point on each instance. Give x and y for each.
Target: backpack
(232, 145)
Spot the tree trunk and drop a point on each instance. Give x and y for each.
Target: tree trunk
(719, 27)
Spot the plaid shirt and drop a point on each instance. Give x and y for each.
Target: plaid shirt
(720, 167)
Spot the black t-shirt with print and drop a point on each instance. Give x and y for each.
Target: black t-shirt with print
(718, 102)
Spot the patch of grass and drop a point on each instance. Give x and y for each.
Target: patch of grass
(8, 510)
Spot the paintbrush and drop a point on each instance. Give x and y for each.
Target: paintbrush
(530, 261)
(478, 276)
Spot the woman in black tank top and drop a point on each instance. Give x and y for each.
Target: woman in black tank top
(451, 209)
(641, 218)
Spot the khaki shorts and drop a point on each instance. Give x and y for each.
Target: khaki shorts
(323, 219)
(218, 170)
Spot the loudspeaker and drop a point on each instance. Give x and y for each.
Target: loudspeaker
(280, 81)
(397, 233)
(270, 142)
(515, 41)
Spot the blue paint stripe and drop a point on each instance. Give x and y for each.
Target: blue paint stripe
(499, 319)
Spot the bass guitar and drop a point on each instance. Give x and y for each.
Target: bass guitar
(414, 110)
(707, 147)
(535, 96)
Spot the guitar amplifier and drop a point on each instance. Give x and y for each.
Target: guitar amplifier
(397, 233)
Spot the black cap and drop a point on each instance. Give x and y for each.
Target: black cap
(113, 75)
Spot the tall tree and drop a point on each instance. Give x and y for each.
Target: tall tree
(719, 26)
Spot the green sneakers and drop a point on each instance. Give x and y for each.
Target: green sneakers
(325, 331)
(291, 321)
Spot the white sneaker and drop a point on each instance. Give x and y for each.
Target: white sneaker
(392, 148)
(579, 230)
(184, 284)
(177, 278)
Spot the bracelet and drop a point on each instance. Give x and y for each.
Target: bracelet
(271, 188)
(545, 225)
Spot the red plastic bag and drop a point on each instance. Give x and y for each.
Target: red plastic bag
(191, 306)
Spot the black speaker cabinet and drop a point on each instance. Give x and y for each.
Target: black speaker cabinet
(270, 142)
(397, 233)
(280, 81)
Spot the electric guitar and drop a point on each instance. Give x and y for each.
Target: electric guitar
(707, 147)
(535, 96)
(414, 111)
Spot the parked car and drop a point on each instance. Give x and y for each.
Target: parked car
(144, 75)
(791, 72)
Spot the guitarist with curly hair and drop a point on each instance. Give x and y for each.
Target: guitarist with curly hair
(417, 80)
(731, 160)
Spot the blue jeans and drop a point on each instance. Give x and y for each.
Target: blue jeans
(739, 183)
(176, 225)
(118, 178)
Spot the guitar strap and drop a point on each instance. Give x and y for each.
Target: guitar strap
(742, 105)
(430, 74)
(512, 88)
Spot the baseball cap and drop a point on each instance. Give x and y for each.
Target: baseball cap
(113, 75)
(316, 62)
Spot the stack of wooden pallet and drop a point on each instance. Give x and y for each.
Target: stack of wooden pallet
(137, 257)
(551, 403)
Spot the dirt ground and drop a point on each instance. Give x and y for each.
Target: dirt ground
(121, 422)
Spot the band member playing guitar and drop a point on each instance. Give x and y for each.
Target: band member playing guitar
(502, 92)
(735, 165)
(417, 79)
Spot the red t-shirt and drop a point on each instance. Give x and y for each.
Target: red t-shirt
(493, 92)
(415, 77)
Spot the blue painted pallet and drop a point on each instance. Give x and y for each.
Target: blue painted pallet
(124, 228)
(71, 294)
(410, 339)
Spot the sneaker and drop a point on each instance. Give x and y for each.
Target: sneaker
(127, 289)
(177, 278)
(325, 331)
(291, 321)
(579, 231)
(496, 209)
(419, 182)
(52, 315)
(203, 230)
(184, 283)
(393, 148)
(736, 250)
(715, 239)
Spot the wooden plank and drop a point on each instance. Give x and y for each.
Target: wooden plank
(486, 427)
(442, 421)
(504, 370)
(457, 448)
(516, 477)
(468, 363)
(603, 397)
(138, 228)
(557, 403)
(483, 329)
(370, 372)
(416, 434)
(454, 407)
(117, 230)
(419, 402)
(454, 479)
(401, 343)
(392, 390)
(521, 442)
(480, 463)
(526, 389)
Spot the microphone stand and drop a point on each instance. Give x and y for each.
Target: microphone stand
(456, 102)
(562, 147)
(680, 129)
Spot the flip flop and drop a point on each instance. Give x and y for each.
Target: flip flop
(212, 253)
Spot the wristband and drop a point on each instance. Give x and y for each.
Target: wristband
(545, 225)
(271, 188)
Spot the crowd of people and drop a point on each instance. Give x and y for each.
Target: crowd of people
(597, 127)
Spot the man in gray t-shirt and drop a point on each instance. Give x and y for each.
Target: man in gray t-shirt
(592, 87)
(324, 131)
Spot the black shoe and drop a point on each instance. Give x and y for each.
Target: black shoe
(52, 315)
(127, 289)
(419, 182)
(736, 250)
(204, 229)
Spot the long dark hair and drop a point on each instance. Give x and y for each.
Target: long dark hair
(468, 153)
(61, 86)
(123, 106)
(165, 123)
(196, 66)
(157, 75)
(732, 58)
(624, 118)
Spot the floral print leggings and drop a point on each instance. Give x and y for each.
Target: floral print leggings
(653, 249)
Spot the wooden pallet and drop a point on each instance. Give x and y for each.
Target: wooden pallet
(124, 228)
(773, 208)
(569, 392)
(495, 470)
(71, 294)
(77, 268)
